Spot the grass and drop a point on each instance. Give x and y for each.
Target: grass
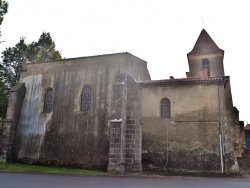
(49, 169)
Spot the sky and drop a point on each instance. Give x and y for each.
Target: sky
(160, 32)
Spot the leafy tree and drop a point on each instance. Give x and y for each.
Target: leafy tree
(4, 92)
(3, 87)
(43, 50)
(14, 57)
(3, 9)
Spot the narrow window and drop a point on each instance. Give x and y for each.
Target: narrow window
(86, 99)
(165, 108)
(48, 101)
(205, 65)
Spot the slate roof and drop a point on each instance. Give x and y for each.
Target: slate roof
(205, 44)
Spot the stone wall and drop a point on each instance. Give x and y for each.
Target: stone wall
(231, 127)
(10, 125)
(1, 133)
(190, 139)
(68, 136)
(125, 131)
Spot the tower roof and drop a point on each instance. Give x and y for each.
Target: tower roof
(205, 44)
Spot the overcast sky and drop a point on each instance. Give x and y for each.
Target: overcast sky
(160, 32)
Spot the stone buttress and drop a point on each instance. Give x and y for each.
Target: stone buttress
(125, 130)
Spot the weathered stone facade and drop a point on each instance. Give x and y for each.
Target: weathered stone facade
(125, 131)
(190, 139)
(104, 112)
(10, 125)
(67, 135)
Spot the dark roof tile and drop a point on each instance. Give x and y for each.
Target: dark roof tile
(205, 44)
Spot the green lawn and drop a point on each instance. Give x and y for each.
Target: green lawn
(48, 169)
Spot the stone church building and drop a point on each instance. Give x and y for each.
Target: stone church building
(104, 112)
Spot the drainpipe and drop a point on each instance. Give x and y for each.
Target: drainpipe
(222, 152)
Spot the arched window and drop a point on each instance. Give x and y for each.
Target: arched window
(48, 101)
(205, 65)
(86, 99)
(165, 108)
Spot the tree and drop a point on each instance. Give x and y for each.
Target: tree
(43, 50)
(14, 57)
(4, 92)
(3, 11)
(3, 87)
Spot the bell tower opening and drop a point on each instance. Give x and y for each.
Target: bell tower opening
(206, 66)
(206, 58)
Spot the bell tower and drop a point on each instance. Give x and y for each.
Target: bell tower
(206, 58)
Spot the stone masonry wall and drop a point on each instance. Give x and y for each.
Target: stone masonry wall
(68, 136)
(117, 128)
(125, 131)
(190, 139)
(133, 141)
(9, 135)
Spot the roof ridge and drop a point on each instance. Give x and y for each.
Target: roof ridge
(91, 56)
(176, 80)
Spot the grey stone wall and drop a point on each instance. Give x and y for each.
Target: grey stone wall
(230, 125)
(10, 125)
(117, 145)
(215, 62)
(68, 136)
(125, 131)
(133, 127)
(190, 139)
(1, 135)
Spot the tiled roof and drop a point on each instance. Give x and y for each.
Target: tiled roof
(247, 127)
(183, 80)
(205, 44)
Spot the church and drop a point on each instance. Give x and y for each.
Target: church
(104, 112)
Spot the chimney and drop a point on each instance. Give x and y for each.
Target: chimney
(188, 75)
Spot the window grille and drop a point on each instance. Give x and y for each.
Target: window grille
(165, 108)
(48, 101)
(86, 99)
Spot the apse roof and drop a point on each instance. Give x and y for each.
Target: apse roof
(205, 44)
